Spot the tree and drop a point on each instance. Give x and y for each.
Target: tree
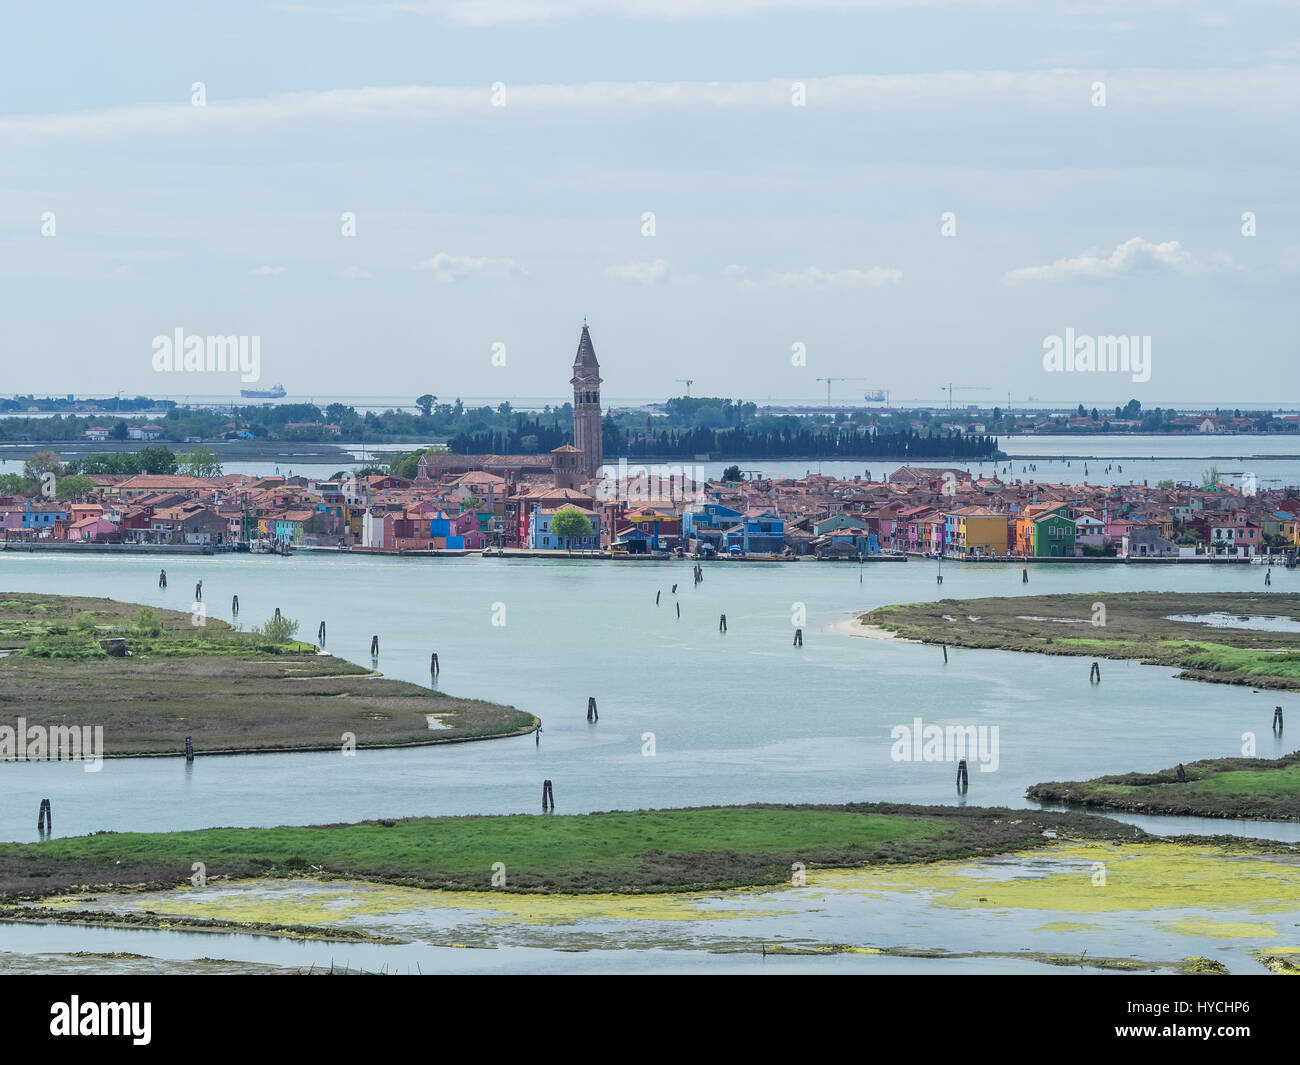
(201, 462)
(731, 473)
(157, 460)
(425, 403)
(70, 487)
(571, 524)
(472, 503)
(41, 463)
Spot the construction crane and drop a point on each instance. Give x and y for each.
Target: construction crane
(687, 381)
(828, 381)
(950, 388)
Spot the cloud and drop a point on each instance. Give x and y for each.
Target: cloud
(734, 270)
(1133, 256)
(647, 273)
(355, 271)
(406, 104)
(267, 271)
(453, 267)
(814, 277)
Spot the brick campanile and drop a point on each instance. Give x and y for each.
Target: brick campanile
(586, 405)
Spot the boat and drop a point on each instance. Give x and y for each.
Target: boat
(277, 392)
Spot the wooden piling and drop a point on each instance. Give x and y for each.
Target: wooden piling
(1024, 576)
(374, 646)
(189, 748)
(963, 778)
(945, 654)
(198, 592)
(234, 606)
(798, 637)
(657, 595)
(679, 610)
(434, 667)
(722, 622)
(548, 795)
(1277, 719)
(1094, 674)
(277, 613)
(592, 713)
(162, 578)
(45, 817)
(320, 634)
(674, 589)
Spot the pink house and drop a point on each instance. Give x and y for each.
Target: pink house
(91, 527)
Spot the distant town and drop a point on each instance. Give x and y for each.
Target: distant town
(568, 498)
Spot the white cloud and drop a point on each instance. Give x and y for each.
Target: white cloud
(267, 271)
(355, 271)
(645, 273)
(1132, 256)
(814, 277)
(734, 270)
(452, 267)
(886, 92)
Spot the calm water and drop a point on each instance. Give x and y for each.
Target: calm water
(740, 717)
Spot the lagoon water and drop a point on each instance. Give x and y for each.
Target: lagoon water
(736, 717)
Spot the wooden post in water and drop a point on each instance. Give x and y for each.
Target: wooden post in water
(592, 713)
(657, 595)
(434, 667)
(963, 779)
(234, 606)
(722, 622)
(189, 748)
(277, 613)
(945, 654)
(1268, 578)
(798, 637)
(198, 592)
(674, 589)
(374, 646)
(1277, 719)
(1024, 576)
(45, 817)
(548, 795)
(320, 634)
(1094, 674)
(679, 611)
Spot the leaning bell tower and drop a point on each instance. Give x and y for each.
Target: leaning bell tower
(586, 404)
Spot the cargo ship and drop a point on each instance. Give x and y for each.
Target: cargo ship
(271, 393)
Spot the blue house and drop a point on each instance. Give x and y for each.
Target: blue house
(44, 515)
(708, 523)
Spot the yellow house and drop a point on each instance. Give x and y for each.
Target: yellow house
(979, 531)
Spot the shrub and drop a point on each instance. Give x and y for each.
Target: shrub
(278, 630)
(146, 622)
(84, 621)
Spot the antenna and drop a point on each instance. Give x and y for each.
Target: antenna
(687, 381)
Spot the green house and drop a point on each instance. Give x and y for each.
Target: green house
(1054, 535)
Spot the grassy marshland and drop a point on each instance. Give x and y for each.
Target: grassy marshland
(1259, 789)
(1135, 625)
(643, 850)
(231, 690)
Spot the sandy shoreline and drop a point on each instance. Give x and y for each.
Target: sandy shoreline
(855, 627)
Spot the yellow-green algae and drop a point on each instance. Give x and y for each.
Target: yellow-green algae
(280, 903)
(1138, 876)
(1222, 929)
(1066, 926)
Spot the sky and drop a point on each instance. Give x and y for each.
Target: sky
(411, 197)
